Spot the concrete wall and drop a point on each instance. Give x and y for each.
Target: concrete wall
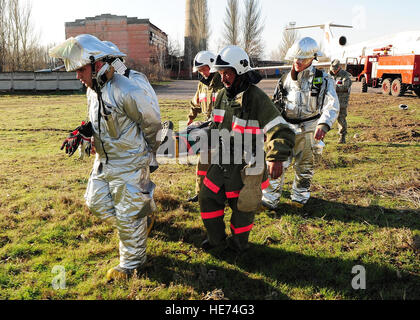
(31, 81)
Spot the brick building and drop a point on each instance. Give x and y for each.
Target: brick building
(141, 40)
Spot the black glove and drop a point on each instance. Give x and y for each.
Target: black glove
(85, 132)
(71, 143)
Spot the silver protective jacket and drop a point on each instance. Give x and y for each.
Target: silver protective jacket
(300, 105)
(119, 188)
(141, 80)
(144, 84)
(133, 124)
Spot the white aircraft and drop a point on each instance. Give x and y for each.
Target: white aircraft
(407, 42)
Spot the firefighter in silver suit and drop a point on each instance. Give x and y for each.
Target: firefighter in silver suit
(142, 81)
(125, 124)
(308, 101)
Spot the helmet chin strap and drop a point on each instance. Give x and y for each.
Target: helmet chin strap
(99, 78)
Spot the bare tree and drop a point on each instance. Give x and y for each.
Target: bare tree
(253, 28)
(14, 41)
(27, 36)
(3, 34)
(18, 40)
(174, 47)
(174, 56)
(288, 39)
(19, 50)
(232, 23)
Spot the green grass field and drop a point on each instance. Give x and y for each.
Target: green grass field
(364, 211)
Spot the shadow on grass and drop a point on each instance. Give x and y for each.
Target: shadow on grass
(299, 270)
(372, 215)
(264, 269)
(395, 145)
(208, 277)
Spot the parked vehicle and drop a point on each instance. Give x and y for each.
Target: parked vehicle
(397, 74)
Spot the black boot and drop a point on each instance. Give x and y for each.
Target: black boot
(206, 245)
(342, 139)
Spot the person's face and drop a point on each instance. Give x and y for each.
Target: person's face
(228, 77)
(84, 74)
(302, 64)
(336, 70)
(204, 71)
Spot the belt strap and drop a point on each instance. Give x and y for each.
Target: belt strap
(299, 121)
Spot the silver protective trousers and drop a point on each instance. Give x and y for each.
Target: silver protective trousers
(123, 197)
(304, 172)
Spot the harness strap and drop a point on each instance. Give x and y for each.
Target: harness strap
(299, 121)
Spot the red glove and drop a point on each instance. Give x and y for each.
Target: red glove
(275, 169)
(320, 132)
(72, 142)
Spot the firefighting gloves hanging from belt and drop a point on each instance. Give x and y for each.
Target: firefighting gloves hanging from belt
(72, 142)
(250, 197)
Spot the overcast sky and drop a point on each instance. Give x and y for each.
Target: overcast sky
(371, 18)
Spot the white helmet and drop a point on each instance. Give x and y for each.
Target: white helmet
(76, 52)
(118, 64)
(204, 58)
(304, 49)
(233, 57)
(111, 45)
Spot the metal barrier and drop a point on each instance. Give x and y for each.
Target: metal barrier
(43, 81)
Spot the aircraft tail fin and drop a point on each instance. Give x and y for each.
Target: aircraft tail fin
(330, 42)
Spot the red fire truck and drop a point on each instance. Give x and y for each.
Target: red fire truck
(396, 74)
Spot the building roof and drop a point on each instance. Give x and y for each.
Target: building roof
(107, 16)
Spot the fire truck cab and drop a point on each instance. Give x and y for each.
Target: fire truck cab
(396, 74)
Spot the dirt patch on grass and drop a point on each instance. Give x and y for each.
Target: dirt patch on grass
(4, 240)
(408, 191)
(343, 162)
(349, 148)
(388, 122)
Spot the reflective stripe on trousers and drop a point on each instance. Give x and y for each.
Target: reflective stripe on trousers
(212, 203)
